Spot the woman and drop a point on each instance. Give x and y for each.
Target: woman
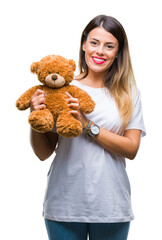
(88, 190)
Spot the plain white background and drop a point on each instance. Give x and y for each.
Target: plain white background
(33, 29)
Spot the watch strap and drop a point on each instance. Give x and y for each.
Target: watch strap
(88, 126)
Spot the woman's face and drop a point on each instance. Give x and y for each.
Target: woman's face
(101, 48)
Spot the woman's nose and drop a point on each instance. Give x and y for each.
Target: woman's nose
(100, 50)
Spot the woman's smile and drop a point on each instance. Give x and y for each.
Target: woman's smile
(98, 60)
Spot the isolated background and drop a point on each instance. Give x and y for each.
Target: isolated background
(33, 29)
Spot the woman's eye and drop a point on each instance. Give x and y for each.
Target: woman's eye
(110, 46)
(94, 43)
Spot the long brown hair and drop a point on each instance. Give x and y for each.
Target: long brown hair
(120, 77)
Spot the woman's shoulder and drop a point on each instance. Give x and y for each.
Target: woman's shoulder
(80, 76)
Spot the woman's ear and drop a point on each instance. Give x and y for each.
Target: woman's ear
(83, 46)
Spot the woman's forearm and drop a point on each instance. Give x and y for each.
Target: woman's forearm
(125, 146)
(43, 144)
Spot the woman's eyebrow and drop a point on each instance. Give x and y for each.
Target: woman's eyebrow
(106, 42)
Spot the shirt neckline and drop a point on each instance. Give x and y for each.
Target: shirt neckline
(89, 86)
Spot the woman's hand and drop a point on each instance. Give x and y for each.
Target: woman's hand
(38, 100)
(73, 103)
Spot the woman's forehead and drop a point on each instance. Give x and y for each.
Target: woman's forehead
(99, 33)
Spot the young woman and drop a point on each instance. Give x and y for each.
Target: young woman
(88, 191)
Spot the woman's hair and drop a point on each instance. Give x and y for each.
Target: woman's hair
(120, 77)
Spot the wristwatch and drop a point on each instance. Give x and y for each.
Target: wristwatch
(94, 130)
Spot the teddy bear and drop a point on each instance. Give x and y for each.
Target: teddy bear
(55, 73)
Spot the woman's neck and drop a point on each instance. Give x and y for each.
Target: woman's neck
(92, 79)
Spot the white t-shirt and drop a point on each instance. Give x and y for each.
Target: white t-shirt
(86, 183)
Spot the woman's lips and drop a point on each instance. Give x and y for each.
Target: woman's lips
(98, 60)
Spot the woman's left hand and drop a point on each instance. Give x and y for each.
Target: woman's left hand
(74, 104)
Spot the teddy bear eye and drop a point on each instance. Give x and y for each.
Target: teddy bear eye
(49, 72)
(57, 72)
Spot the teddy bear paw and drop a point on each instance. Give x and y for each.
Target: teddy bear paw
(21, 105)
(41, 120)
(69, 128)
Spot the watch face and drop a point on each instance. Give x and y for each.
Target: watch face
(95, 129)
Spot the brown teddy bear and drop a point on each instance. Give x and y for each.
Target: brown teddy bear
(55, 73)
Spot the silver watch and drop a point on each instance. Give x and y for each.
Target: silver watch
(94, 130)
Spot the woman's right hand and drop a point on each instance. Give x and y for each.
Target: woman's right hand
(38, 100)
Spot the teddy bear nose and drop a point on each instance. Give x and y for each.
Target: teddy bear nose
(54, 77)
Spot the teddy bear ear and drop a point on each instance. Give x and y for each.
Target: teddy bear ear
(34, 67)
(72, 64)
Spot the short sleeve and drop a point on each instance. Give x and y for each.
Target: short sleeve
(136, 121)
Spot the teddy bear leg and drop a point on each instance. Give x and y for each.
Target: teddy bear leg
(67, 125)
(41, 120)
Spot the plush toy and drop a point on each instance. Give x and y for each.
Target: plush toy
(55, 73)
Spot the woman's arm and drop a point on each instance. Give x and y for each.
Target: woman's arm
(43, 144)
(125, 146)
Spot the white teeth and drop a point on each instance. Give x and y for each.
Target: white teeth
(99, 60)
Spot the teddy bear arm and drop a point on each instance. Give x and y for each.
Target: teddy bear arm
(87, 105)
(23, 101)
